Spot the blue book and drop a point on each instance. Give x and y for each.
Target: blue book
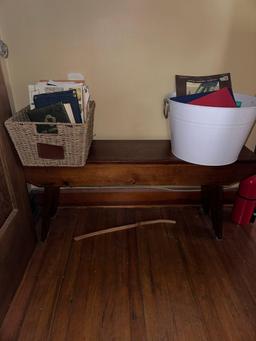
(69, 96)
(189, 98)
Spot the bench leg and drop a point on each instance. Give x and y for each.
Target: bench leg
(212, 202)
(205, 198)
(217, 210)
(50, 205)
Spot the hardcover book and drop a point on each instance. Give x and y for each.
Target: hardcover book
(220, 98)
(55, 113)
(188, 98)
(69, 96)
(188, 85)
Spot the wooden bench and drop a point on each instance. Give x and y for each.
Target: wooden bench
(131, 163)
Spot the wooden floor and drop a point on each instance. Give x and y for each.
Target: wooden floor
(172, 282)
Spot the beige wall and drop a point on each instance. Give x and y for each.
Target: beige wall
(129, 52)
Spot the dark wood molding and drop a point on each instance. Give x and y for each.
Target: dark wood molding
(17, 235)
(129, 197)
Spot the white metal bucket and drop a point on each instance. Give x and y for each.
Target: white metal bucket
(208, 135)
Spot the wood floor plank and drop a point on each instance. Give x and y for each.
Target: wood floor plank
(101, 294)
(250, 230)
(63, 309)
(15, 315)
(136, 302)
(237, 271)
(241, 249)
(198, 278)
(40, 311)
(229, 307)
(73, 326)
(170, 309)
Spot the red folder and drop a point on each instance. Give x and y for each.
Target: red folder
(219, 98)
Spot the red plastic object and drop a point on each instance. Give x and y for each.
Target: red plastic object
(245, 201)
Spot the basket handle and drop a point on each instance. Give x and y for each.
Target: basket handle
(46, 129)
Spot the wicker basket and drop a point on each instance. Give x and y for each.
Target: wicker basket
(69, 147)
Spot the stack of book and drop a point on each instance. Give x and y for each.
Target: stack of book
(55, 101)
(213, 91)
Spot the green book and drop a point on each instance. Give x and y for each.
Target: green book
(55, 113)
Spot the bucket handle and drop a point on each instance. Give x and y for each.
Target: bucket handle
(166, 107)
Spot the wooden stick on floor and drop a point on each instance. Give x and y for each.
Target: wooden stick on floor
(124, 227)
